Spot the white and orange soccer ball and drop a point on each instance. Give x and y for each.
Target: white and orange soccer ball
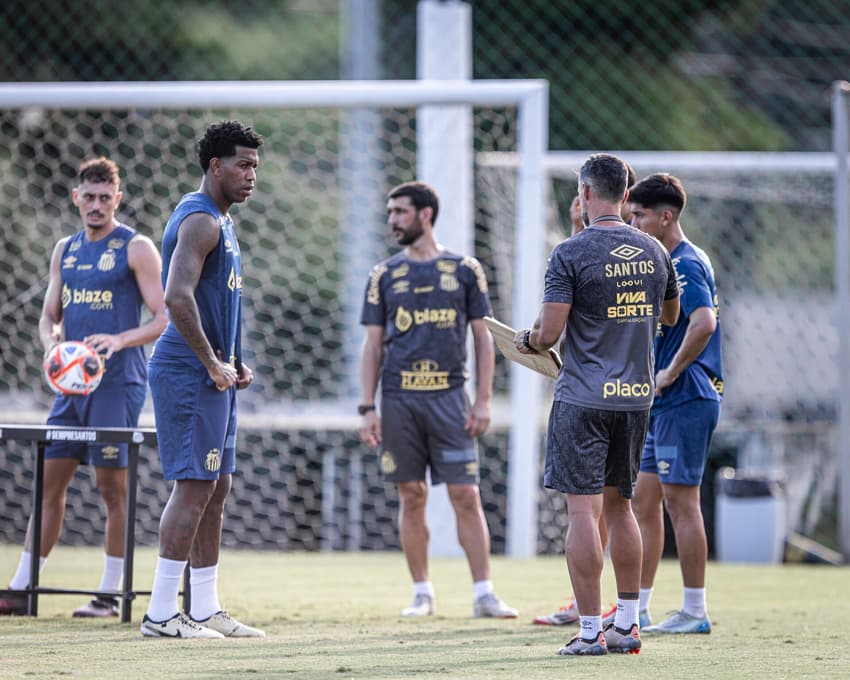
(72, 367)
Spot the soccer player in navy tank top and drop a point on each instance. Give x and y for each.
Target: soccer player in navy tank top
(99, 280)
(195, 371)
(608, 286)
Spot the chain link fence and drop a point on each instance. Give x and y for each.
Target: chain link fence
(667, 75)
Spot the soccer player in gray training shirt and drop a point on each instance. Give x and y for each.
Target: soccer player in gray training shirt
(609, 285)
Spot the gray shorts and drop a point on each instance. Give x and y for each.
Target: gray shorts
(588, 449)
(428, 432)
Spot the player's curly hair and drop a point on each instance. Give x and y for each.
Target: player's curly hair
(99, 171)
(657, 189)
(221, 139)
(421, 195)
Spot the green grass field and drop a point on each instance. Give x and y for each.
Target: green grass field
(336, 616)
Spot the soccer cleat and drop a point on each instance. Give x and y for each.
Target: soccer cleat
(12, 604)
(643, 618)
(423, 605)
(98, 608)
(225, 624)
(579, 646)
(178, 626)
(620, 641)
(563, 617)
(491, 606)
(680, 622)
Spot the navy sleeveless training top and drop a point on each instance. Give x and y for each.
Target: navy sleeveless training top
(219, 291)
(100, 295)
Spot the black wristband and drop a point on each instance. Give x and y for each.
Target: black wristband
(525, 342)
(363, 409)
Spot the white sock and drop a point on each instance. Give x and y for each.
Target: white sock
(166, 585)
(645, 597)
(423, 588)
(590, 627)
(627, 613)
(204, 584)
(482, 588)
(113, 571)
(693, 602)
(21, 579)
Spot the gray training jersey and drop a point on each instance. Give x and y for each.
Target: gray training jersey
(616, 280)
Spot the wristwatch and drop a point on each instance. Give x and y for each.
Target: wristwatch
(363, 409)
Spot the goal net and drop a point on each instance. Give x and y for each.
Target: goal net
(308, 236)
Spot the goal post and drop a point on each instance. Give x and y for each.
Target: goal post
(841, 149)
(529, 99)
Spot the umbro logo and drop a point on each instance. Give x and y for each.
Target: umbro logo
(626, 252)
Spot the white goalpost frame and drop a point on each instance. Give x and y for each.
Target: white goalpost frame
(531, 99)
(841, 146)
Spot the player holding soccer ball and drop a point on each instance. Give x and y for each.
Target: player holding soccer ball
(99, 280)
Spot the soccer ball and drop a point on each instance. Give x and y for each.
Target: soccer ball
(73, 367)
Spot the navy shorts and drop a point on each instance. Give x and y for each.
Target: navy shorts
(428, 432)
(195, 422)
(678, 441)
(107, 406)
(588, 449)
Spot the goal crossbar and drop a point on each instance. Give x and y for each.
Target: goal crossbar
(531, 100)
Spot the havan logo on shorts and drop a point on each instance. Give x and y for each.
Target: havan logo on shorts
(212, 462)
(617, 388)
(425, 377)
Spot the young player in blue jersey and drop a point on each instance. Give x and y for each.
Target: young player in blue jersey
(608, 286)
(195, 371)
(417, 308)
(688, 390)
(100, 278)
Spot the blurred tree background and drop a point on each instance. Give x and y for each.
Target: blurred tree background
(663, 74)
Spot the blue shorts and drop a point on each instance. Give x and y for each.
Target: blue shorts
(107, 406)
(195, 422)
(678, 441)
(419, 433)
(588, 449)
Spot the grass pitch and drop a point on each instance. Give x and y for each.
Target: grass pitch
(336, 616)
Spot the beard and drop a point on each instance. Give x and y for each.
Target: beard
(411, 235)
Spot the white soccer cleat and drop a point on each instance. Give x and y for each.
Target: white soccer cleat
(491, 606)
(423, 605)
(225, 624)
(178, 626)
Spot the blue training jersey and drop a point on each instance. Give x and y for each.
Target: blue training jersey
(703, 378)
(219, 291)
(100, 295)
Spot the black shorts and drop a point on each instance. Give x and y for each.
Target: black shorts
(428, 432)
(588, 449)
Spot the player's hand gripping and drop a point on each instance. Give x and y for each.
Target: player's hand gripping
(244, 377)
(222, 373)
(370, 429)
(105, 343)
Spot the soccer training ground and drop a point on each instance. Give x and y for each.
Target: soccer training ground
(336, 616)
